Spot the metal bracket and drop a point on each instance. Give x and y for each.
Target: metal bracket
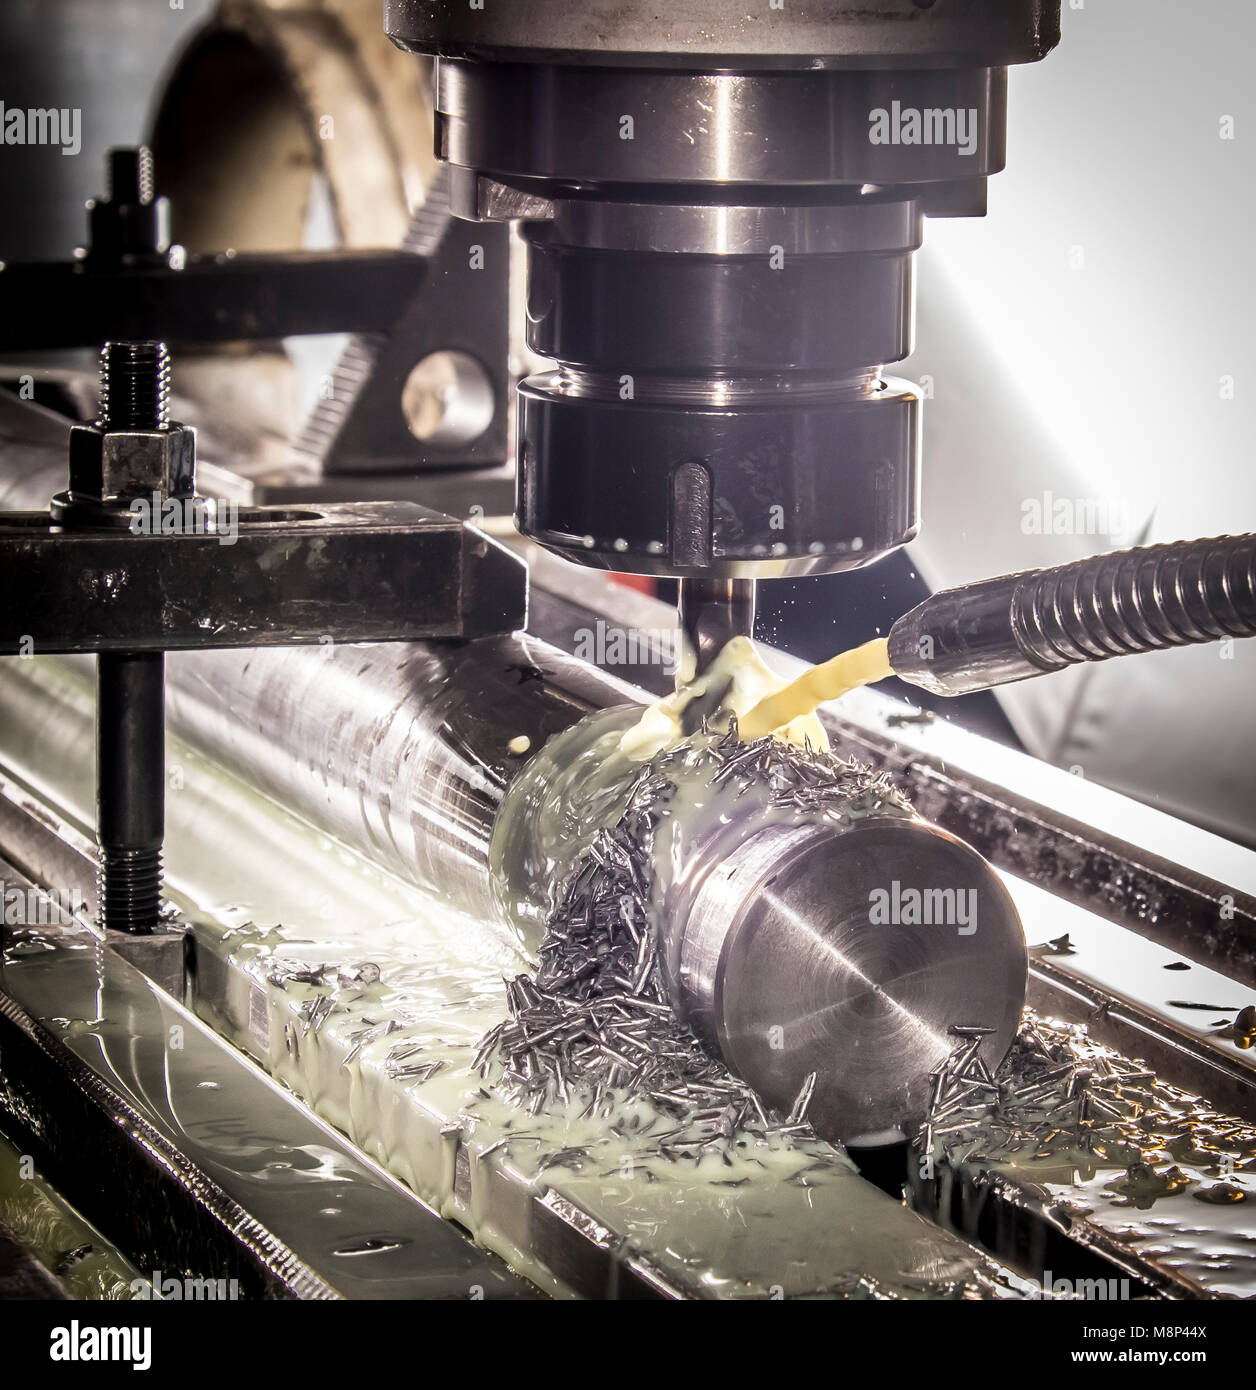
(360, 572)
(210, 299)
(464, 309)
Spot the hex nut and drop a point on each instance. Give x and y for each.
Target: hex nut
(116, 466)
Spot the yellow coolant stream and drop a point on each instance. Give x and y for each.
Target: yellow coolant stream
(762, 701)
(846, 671)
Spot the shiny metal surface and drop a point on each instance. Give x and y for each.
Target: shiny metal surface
(401, 752)
(868, 223)
(782, 964)
(561, 123)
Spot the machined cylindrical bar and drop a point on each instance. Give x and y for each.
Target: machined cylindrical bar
(401, 751)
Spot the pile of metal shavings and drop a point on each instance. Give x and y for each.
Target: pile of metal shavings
(1061, 1099)
(802, 779)
(594, 1024)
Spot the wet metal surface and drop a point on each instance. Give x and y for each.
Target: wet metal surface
(275, 1178)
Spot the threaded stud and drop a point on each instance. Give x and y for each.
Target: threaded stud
(134, 386)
